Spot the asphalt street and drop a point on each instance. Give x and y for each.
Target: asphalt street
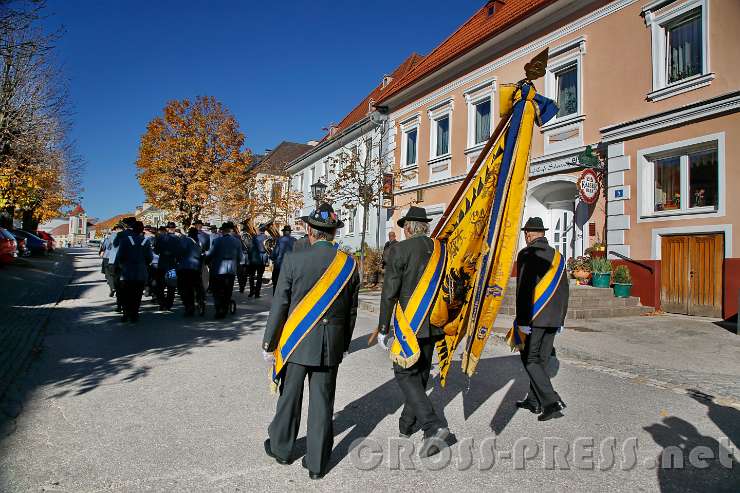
(176, 404)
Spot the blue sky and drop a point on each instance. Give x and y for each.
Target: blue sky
(285, 69)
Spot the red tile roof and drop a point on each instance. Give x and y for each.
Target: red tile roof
(61, 230)
(475, 31)
(77, 211)
(361, 110)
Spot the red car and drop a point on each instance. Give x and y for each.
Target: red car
(8, 247)
(48, 238)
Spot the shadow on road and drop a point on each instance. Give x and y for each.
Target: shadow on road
(680, 441)
(363, 415)
(86, 344)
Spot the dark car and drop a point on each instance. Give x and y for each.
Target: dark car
(46, 237)
(8, 247)
(34, 244)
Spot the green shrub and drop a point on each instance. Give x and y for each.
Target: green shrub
(600, 265)
(622, 275)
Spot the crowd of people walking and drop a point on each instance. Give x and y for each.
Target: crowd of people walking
(165, 261)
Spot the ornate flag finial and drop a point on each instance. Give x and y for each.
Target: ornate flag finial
(537, 65)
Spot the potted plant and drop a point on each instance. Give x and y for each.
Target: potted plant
(602, 271)
(622, 282)
(598, 249)
(580, 268)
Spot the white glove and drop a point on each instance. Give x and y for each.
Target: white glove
(385, 341)
(561, 329)
(526, 329)
(268, 357)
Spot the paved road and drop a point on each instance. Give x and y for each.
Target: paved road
(178, 404)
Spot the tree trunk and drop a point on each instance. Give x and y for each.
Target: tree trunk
(29, 222)
(6, 217)
(365, 213)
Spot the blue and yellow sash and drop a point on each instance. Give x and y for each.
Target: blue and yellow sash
(406, 323)
(543, 293)
(310, 309)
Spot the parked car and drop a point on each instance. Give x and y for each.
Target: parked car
(46, 237)
(8, 247)
(34, 244)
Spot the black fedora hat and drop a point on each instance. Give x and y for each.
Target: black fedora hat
(171, 225)
(534, 224)
(287, 228)
(197, 221)
(415, 214)
(323, 218)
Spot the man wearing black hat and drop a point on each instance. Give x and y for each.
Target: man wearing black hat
(258, 260)
(283, 247)
(245, 272)
(224, 257)
(407, 261)
(167, 247)
(318, 354)
(533, 262)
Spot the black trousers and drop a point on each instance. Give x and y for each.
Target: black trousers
(131, 292)
(165, 294)
(255, 281)
(223, 286)
(535, 356)
(243, 273)
(322, 382)
(418, 409)
(189, 285)
(275, 276)
(112, 276)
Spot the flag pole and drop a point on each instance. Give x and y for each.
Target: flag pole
(463, 186)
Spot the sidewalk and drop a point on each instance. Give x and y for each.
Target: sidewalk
(29, 289)
(673, 351)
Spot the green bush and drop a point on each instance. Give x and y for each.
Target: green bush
(600, 265)
(622, 275)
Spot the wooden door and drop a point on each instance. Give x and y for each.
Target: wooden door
(674, 274)
(691, 274)
(706, 256)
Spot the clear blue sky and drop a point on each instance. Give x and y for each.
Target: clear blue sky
(284, 68)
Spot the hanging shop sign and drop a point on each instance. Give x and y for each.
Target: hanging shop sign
(588, 186)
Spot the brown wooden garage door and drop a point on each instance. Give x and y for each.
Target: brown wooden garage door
(691, 274)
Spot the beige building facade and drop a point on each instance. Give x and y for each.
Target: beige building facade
(653, 85)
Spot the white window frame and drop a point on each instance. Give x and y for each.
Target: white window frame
(407, 126)
(646, 180)
(473, 97)
(657, 23)
(564, 57)
(436, 113)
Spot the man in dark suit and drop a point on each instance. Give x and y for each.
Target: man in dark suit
(407, 261)
(283, 246)
(134, 256)
(533, 262)
(387, 247)
(259, 258)
(318, 355)
(167, 247)
(225, 256)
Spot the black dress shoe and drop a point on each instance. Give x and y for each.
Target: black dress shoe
(279, 460)
(433, 443)
(551, 411)
(311, 474)
(527, 404)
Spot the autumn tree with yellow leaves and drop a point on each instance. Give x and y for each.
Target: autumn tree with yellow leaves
(39, 173)
(191, 161)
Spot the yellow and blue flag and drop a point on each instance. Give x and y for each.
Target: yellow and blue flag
(481, 230)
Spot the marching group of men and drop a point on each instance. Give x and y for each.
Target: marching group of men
(313, 316)
(164, 261)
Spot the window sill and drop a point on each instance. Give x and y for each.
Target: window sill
(439, 159)
(562, 122)
(680, 87)
(680, 212)
(411, 167)
(475, 148)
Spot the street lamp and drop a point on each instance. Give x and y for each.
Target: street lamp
(318, 190)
